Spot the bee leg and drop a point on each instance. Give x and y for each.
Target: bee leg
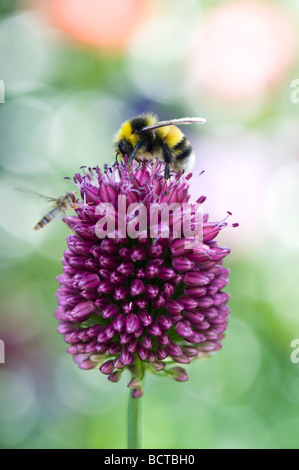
(137, 146)
(117, 164)
(167, 172)
(167, 160)
(166, 177)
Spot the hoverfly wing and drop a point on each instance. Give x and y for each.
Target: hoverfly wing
(31, 192)
(175, 122)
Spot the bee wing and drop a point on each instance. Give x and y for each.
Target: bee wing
(175, 122)
(31, 192)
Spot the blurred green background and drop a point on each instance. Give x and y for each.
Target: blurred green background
(73, 71)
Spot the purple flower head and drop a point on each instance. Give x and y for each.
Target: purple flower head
(134, 294)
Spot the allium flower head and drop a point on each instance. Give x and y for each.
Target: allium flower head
(142, 303)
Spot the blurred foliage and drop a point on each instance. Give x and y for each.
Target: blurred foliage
(8, 6)
(64, 101)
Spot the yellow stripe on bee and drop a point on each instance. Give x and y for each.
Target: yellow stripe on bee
(172, 135)
(150, 118)
(126, 129)
(125, 133)
(133, 139)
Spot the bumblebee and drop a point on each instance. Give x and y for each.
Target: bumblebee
(145, 138)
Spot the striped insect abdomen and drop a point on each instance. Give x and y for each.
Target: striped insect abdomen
(47, 218)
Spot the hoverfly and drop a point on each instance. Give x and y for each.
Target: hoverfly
(59, 205)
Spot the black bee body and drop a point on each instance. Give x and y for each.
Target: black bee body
(145, 138)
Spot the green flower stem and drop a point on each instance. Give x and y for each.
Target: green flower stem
(134, 438)
(134, 412)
